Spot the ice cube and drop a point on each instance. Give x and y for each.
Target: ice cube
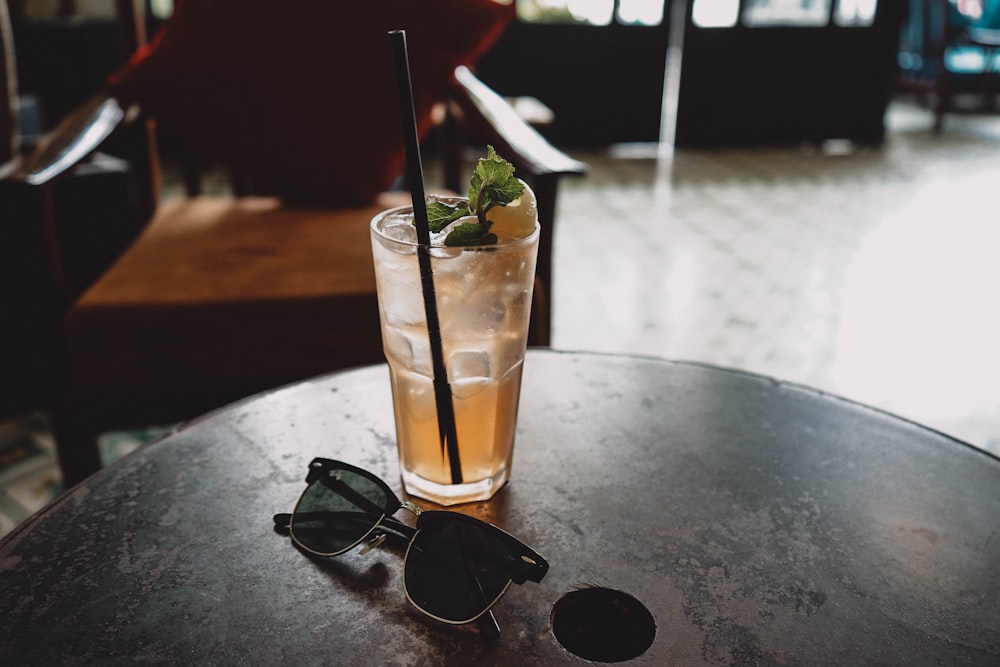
(409, 347)
(400, 230)
(399, 296)
(397, 346)
(508, 350)
(420, 352)
(491, 316)
(418, 396)
(403, 307)
(441, 251)
(466, 364)
(469, 387)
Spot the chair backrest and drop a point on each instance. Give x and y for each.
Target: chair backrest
(299, 99)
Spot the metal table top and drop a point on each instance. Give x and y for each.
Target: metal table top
(755, 521)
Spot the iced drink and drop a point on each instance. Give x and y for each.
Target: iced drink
(483, 299)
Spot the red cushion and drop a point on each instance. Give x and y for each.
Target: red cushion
(300, 96)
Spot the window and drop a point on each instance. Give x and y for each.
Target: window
(715, 13)
(786, 12)
(592, 12)
(640, 12)
(855, 12)
(763, 13)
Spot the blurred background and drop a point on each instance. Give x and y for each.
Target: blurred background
(805, 189)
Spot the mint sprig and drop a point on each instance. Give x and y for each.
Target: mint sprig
(469, 234)
(440, 214)
(493, 184)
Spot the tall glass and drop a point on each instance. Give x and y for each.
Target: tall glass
(483, 301)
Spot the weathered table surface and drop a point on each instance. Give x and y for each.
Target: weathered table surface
(756, 521)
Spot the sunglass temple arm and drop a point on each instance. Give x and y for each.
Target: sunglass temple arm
(488, 626)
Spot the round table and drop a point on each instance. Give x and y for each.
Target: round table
(756, 521)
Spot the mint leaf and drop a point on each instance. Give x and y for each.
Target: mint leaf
(493, 184)
(440, 215)
(469, 234)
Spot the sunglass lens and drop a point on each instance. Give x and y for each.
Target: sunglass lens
(336, 512)
(455, 571)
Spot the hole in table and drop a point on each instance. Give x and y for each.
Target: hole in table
(602, 625)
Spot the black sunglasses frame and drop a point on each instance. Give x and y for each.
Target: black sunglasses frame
(525, 565)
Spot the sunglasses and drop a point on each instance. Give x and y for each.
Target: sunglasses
(456, 567)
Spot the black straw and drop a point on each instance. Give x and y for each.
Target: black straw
(447, 431)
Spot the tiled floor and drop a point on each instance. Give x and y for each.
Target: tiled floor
(873, 274)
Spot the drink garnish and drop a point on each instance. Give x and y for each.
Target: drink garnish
(493, 184)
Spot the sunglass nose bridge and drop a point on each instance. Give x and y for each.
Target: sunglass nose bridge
(407, 505)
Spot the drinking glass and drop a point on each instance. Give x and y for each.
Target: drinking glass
(483, 302)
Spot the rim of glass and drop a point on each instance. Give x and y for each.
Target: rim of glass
(503, 245)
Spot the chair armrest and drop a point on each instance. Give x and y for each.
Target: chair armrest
(490, 116)
(488, 113)
(75, 138)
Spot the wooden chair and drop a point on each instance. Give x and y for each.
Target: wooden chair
(949, 49)
(47, 258)
(221, 297)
